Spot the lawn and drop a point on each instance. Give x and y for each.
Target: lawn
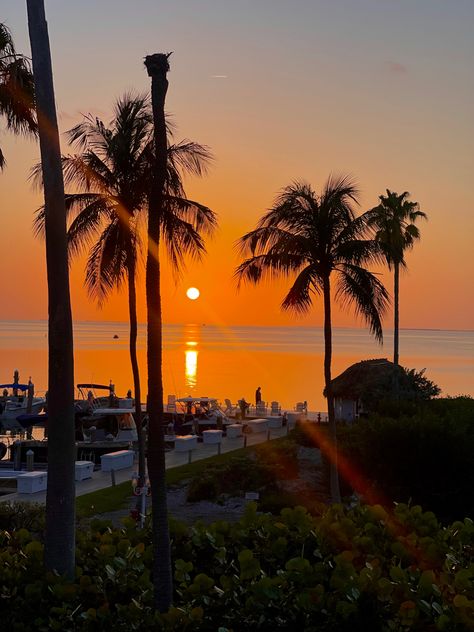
(117, 497)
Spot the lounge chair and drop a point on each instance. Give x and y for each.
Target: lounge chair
(261, 409)
(230, 410)
(275, 408)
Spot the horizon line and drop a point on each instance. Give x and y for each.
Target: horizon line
(125, 322)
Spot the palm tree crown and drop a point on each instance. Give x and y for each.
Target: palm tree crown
(316, 237)
(113, 176)
(393, 222)
(16, 89)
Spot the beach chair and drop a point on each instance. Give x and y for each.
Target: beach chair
(171, 405)
(229, 409)
(261, 409)
(275, 408)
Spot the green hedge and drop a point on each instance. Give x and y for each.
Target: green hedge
(351, 569)
(427, 458)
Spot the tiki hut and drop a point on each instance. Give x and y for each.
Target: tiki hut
(359, 386)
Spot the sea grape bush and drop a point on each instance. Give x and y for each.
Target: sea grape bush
(363, 568)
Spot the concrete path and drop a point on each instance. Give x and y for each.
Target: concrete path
(101, 480)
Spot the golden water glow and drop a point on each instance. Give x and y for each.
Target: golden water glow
(191, 361)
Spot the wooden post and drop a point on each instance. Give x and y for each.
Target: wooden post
(189, 456)
(112, 476)
(30, 456)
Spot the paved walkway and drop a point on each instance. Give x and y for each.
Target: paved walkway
(101, 480)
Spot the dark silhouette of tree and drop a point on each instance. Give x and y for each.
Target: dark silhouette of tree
(59, 552)
(393, 223)
(113, 175)
(180, 233)
(16, 89)
(318, 239)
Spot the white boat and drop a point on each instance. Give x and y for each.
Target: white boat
(17, 399)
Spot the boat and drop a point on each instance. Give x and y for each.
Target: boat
(17, 399)
(103, 424)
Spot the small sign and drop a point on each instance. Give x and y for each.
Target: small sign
(252, 495)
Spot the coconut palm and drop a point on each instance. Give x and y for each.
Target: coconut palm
(393, 222)
(16, 89)
(319, 240)
(180, 237)
(59, 551)
(113, 177)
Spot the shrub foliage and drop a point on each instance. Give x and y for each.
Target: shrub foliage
(352, 569)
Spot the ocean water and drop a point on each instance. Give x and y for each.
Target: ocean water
(230, 362)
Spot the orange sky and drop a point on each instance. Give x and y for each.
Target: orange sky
(278, 96)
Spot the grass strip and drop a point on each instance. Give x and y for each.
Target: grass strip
(117, 497)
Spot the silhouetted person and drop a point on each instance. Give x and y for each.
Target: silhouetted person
(258, 396)
(243, 407)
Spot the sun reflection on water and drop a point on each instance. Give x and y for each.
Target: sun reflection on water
(191, 360)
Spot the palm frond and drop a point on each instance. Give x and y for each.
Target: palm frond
(106, 264)
(181, 241)
(268, 265)
(365, 293)
(298, 298)
(190, 157)
(199, 216)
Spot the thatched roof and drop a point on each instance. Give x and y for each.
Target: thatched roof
(364, 376)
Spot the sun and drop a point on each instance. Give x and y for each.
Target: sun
(192, 293)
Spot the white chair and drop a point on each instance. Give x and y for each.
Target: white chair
(301, 407)
(261, 409)
(171, 405)
(275, 408)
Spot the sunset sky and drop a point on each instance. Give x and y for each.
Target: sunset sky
(279, 90)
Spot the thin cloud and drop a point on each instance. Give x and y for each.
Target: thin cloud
(218, 76)
(394, 67)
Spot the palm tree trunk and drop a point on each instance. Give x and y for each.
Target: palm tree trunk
(333, 469)
(396, 289)
(132, 309)
(157, 67)
(60, 497)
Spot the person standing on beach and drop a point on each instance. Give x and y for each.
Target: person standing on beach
(258, 396)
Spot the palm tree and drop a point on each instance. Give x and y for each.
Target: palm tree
(59, 552)
(393, 223)
(16, 89)
(113, 174)
(318, 238)
(169, 222)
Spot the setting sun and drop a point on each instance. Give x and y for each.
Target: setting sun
(192, 293)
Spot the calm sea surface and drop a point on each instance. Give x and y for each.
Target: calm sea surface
(287, 362)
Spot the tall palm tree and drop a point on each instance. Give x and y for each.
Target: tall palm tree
(16, 89)
(318, 238)
(169, 222)
(393, 223)
(59, 552)
(113, 177)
